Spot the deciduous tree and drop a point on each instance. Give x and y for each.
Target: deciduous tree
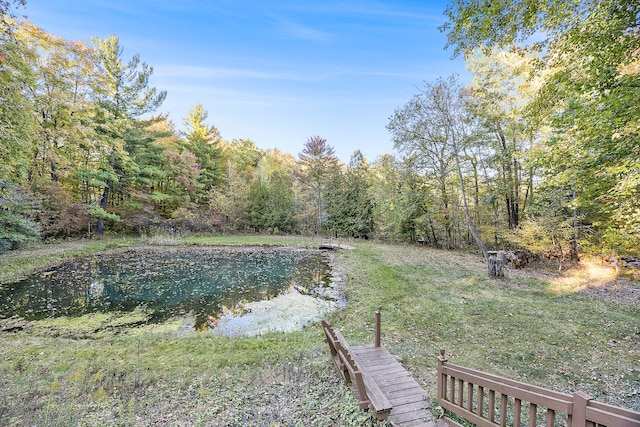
(271, 195)
(18, 126)
(60, 92)
(590, 97)
(431, 130)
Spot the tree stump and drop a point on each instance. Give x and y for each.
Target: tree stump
(495, 264)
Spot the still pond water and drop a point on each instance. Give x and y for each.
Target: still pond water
(229, 291)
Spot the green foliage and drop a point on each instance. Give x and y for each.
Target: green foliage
(278, 204)
(59, 216)
(318, 161)
(504, 23)
(561, 113)
(98, 212)
(17, 133)
(588, 98)
(60, 94)
(202, 140)
(126, 92)
(502, 89)
(350, 207)
(15, 225)
(550, 222)
(271, 204)
(434, 132)
(231, 200)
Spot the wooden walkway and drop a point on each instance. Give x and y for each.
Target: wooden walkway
(410, 402)
(380, 383)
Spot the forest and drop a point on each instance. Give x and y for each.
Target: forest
(541, 150)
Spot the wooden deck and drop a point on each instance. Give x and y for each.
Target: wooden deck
(409, 400)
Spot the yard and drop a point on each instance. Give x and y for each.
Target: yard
(569, 331)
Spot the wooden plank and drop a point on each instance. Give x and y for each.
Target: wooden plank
(375, 358)
(367, 350)
(410, 398)
(419, 393)
(405, 387)
(409, 419)
(396, 379)
(408, 391)
(396, 386)
(381, 354)
(614, 410)
(378, 400)
(379, 364)
(560, 402)
(406, 418)
(415, 407)
(424, 423)
(380, 359)
(382, 369)
(415, 423)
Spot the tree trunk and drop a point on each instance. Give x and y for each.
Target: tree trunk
(471, 227)
(436, 244)
(103, 205)
(105, 194)
(494, 205)
(576, 230)
(510, 166)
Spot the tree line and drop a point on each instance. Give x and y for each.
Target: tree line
(540, 150)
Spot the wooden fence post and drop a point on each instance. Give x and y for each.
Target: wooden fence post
(579, 414)
(442, 359)
(378, 327)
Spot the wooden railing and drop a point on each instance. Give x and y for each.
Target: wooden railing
(353, 371)
(492, 401)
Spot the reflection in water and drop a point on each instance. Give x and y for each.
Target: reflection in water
(212, 284)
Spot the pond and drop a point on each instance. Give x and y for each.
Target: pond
(230, 291)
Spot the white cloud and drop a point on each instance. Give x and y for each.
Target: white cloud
(299, 31)
(197, 72)
(308, 74)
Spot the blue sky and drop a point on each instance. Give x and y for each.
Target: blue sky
(277, 72)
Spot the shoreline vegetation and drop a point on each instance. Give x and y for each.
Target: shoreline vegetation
(575, 330)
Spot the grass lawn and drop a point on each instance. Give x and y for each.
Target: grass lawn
(534, 326)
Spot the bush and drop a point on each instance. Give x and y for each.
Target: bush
(59, 216)
(15, 226)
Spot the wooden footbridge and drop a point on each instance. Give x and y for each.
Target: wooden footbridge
(379, 381)
(389, 391)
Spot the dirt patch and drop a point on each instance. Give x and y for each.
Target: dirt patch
(620, 290)
(591, 278)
